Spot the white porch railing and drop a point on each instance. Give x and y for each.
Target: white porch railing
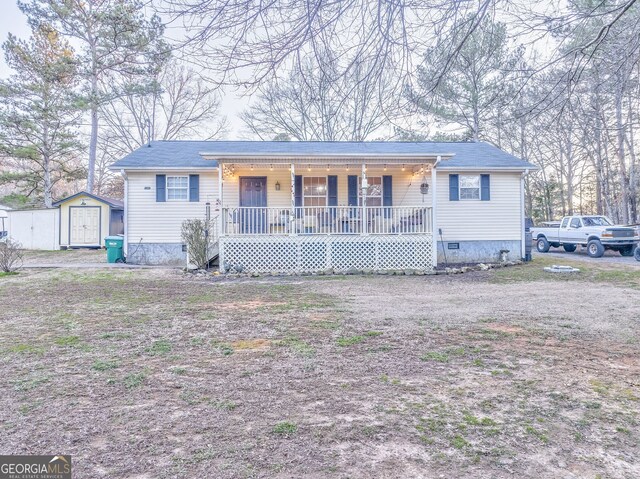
(333, 220)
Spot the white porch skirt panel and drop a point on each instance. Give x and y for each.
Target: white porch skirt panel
(307, 254)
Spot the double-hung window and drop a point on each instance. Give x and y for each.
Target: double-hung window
(177, 188)
(374, 191)
(469, 187)
(314, 191)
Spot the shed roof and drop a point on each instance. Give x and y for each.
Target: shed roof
(189, 154)
(110, 201)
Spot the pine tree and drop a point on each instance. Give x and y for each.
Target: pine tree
(114, 37)
(39, 111)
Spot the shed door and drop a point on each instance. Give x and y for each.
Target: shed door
(85, 225)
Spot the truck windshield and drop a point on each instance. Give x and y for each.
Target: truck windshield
(596, 221)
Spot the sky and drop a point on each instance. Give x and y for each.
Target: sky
(13, 21)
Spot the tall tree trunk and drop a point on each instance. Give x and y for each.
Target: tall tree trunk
(620, 138)
(93, 139)
(93, 148)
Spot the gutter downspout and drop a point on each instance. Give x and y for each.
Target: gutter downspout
(125, 213)
(434, 211)
(523, 233)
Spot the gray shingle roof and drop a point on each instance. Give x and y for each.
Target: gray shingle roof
(186, 154)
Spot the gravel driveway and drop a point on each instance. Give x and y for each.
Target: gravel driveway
(611, 257)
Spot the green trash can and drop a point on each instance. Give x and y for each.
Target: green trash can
(115, 252)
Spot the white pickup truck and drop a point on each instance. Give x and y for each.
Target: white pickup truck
(597, 233)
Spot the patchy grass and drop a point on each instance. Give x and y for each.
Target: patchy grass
(350, 340)
(603, 273)
(298, 346)
(134, 380)
(435, 356)
(67, 341)
(160, 348)
(474, 375)
(4, 274)
(285, 428)
(26, 349)
(105, 365)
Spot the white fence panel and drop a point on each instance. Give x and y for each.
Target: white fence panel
(35, 229)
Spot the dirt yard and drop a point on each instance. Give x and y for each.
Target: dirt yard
(154, 374)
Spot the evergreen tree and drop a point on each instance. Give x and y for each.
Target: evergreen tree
(39, 112)
(475, 87)
(114, 38)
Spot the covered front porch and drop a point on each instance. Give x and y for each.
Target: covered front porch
(316, 214)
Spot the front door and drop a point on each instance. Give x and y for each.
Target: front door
(253, 203)
(84, 225)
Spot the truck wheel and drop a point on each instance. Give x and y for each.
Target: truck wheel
(595, 249)
(543, 245)
(569, 248)
(627, 250)
(636, 255)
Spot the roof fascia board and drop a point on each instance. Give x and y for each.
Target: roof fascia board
(391, 157)
(488, 168)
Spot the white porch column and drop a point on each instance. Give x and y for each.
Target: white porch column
(221, 218)
(292, 215)
(434, 210)
(364, 186)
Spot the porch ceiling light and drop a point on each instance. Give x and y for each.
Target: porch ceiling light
(403, 167)
(251, 167)
(271, 168)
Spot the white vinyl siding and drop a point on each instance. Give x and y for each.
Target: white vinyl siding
(405, 185)
(497, 219)
(161, 222)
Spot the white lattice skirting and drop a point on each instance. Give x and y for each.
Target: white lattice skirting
(306, 254)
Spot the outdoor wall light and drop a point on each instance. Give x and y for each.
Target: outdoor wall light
(277, 186)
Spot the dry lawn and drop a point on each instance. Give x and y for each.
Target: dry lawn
(153, 374)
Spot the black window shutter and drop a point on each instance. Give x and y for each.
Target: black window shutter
(352, 190)
(161, 188)
(485, 188)
(454, 192)
(194, 188)
(387, 190)
(332, 189)
(298, 190)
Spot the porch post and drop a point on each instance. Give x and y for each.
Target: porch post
(434, 211)
(221, 218)
(292, 215)
(363, 187)
(220, 200)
